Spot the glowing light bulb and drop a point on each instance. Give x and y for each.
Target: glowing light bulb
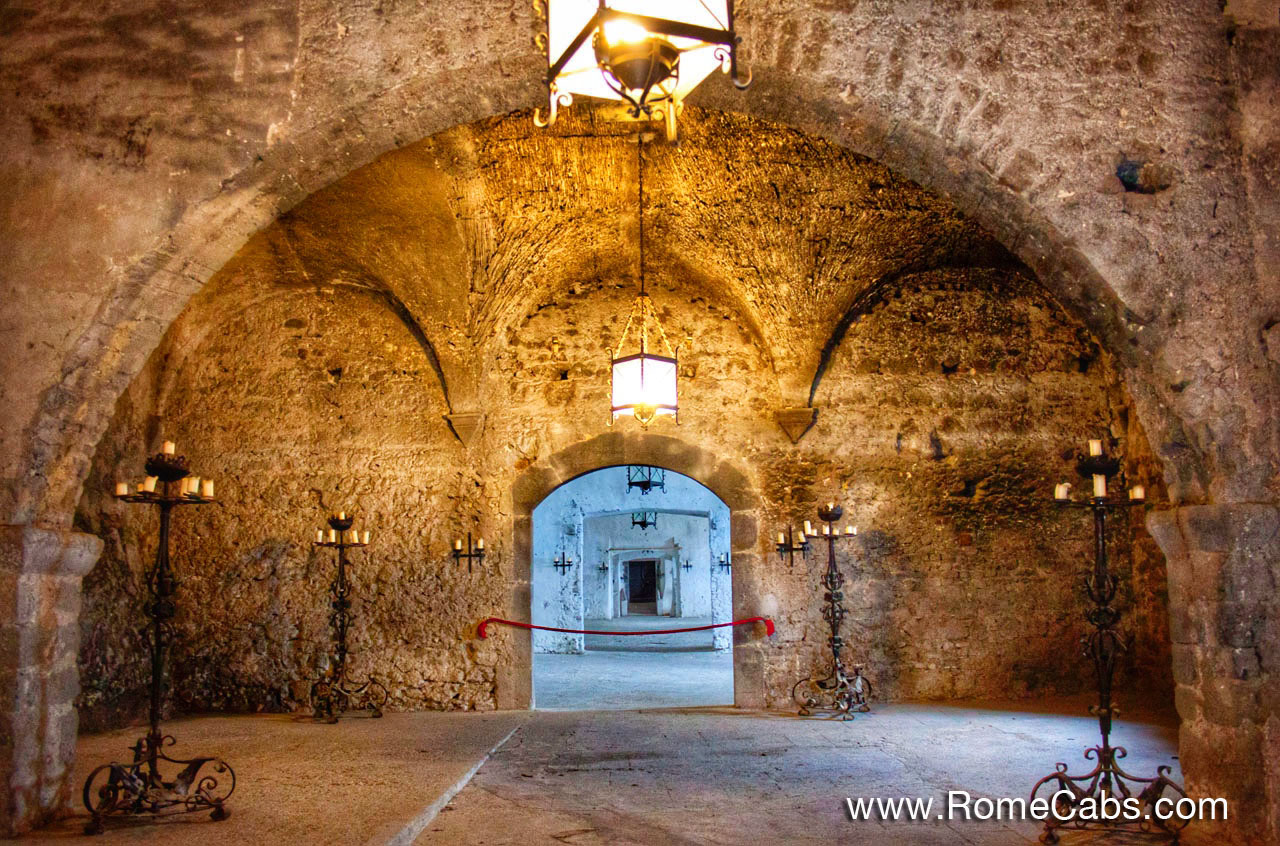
(624, 32)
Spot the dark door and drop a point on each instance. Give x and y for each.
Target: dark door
(642, 580)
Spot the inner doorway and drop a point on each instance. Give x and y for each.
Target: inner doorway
(642, 581)
(648, 563)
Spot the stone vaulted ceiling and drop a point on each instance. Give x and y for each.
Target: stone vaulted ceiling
(467, 232)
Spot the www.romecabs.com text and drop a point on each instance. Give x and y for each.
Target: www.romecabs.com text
(960, 805)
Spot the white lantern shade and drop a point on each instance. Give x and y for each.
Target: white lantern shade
(582, 75)
(644, 381)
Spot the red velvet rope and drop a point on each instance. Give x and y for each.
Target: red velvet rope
(768, 627)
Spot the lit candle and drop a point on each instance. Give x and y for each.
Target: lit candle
(1095, 448)
(826, 528)
(808, 528)
(169, 448)
(333, 536)
(1061, 491)
(480, 544)
(1099, 485)
(342, 515)
(206, 488)
(782, 539)
(122, 488)
(366, 536)
(831, 506)
(457, 545)
(149, 484)
(319, 535)
(850, 530)
(1137, 492)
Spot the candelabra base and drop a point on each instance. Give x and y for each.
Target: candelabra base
(1096, 800)
(832, 696)
(139, 789)
(331, 698)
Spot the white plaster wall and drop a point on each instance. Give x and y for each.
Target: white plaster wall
(612, 540)
(562, 521)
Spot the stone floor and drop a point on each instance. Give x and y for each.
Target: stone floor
(298, 782)
(718, 776)
(627, 671)
(696, 776)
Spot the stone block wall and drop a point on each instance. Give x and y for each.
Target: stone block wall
(315, 372)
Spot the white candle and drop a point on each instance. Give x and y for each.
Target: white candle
(366, 536)
(808, 529)
(1137, 492)
(319, 535)
(333, 536)
(457, 545)
(342, 515)
(1099, 486)
(480, 544)
(831, 506)
(1095, 448)
(826, 528)
(206, 489)
(122, 488)
(1061, 491)
(149, 484)
(850, 530)
(193, 486)
(169, 448)
(782, 539)
(139, 488)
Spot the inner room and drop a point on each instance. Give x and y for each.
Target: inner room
(631, 555)
(640, 422)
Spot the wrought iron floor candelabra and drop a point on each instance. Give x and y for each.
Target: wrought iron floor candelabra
(1096, 799)
(141, 786)
(335, 692)
(836, 693)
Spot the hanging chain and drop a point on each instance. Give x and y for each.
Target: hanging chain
(642, 305)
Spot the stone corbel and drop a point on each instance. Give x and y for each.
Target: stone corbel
(465, 424)
(796, 421)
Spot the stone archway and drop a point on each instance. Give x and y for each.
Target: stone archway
(732, 484)
(978, 143)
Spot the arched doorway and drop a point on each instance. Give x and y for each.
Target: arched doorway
(610, 555)
(689, 467)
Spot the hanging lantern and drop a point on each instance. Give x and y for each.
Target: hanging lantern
(644, 383)
(647, 53)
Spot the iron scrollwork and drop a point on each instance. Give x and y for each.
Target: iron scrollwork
(1070, 794)
(335, 692)
(140, 786)
(836, 694)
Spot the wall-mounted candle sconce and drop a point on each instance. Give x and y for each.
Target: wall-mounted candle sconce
(562, 562)
(787, 545)
(474, 552)
(725, 564)
(686, 566)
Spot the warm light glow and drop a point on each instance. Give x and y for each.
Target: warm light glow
(582, 76)
(644, 386)
(623, 32)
